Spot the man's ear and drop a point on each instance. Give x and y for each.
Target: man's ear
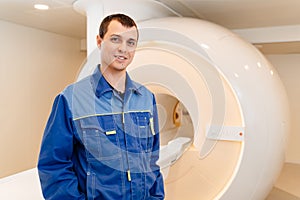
(99, 41)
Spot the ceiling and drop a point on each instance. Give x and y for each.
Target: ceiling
(61, 18)
(232, 14)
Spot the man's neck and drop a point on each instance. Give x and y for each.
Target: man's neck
(116, 79)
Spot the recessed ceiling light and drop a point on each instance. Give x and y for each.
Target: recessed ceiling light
(41, 6)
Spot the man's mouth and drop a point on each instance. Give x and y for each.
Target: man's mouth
(120, 57)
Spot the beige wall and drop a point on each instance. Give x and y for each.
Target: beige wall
(34, 66)
(288, 67)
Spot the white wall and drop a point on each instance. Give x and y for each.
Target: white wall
(34, 66)
(288, 67)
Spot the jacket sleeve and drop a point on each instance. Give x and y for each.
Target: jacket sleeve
(55, 167)
(157, 190)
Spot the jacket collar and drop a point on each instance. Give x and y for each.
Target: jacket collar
(101, 86)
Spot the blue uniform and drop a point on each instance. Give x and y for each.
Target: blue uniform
(100, 145)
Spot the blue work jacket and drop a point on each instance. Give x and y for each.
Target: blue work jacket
(100, 145)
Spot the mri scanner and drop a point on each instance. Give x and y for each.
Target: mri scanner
(223, 110)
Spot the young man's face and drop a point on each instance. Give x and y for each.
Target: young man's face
(118, 46)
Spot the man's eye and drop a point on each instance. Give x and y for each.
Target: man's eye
(115, 39)
(131, 43)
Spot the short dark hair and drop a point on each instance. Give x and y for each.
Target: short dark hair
(125, 20)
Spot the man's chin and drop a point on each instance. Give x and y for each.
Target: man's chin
(120, 67)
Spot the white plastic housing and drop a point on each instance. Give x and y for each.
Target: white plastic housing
(259, 92)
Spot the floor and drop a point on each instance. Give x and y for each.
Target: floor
(278, 194)
(287, 186)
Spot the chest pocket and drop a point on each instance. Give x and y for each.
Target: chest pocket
(145, 130)
(100, 138)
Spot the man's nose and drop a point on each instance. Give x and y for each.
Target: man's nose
(123, 47)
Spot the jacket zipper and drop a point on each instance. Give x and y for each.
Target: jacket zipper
(125, 140)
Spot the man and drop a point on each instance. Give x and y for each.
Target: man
(101, 140)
